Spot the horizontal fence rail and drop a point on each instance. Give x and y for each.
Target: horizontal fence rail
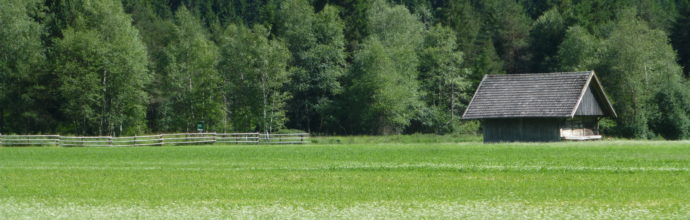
(153, 140)
(283, 138)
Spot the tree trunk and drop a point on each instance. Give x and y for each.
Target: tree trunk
(452, 102)
(227, 113)
(265, 100)
(191, 106)
(103, 111)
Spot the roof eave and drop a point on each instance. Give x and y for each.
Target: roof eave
(508, 117)
(606, 98)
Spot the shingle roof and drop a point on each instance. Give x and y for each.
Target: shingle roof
(531, 95)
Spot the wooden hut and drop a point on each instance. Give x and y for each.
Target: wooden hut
(540, 107)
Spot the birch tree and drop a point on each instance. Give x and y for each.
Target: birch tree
(254, 71)
(384, 91)
(100, 64)
(444, 82)
(192, 84)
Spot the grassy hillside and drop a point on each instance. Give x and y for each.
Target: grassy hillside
(579, 180)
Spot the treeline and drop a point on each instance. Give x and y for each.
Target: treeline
(327, 66)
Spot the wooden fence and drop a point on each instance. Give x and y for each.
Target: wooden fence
(153, 140)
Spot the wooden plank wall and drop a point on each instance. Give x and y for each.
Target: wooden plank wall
(522, 129)
(589, 106)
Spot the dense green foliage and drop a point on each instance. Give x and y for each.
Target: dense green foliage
(254, 69)
(317, 44)
(636, 63)
(327, 66)
(101, 69)
(383, 91)
(23, 79)
(189, 78)
(592, 180)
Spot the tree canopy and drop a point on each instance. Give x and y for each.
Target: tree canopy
(327, 66)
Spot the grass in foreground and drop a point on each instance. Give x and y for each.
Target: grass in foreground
(468, 180)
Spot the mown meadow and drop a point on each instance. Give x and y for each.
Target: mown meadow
(606, 179)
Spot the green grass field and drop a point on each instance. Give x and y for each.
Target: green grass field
(609, 180)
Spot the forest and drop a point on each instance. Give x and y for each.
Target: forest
(122, 67)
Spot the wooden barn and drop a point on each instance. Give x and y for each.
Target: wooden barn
(540, 107)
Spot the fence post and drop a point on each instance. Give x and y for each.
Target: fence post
(160, 138)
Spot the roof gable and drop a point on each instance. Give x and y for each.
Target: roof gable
(534, 95)
(602, 99)
(589, 105)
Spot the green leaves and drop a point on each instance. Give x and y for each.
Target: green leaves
(22, 67)
(580, 50)
(444, 82)
(671, 119)
(254, 70)
(317, 45)
(636, 63)
(546, 34)
(341, 66)
(384, 89)
(190, 78)
(101, 66)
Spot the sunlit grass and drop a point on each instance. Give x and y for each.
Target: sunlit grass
(620, 179)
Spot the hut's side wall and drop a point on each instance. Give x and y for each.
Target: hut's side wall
(522, 129)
